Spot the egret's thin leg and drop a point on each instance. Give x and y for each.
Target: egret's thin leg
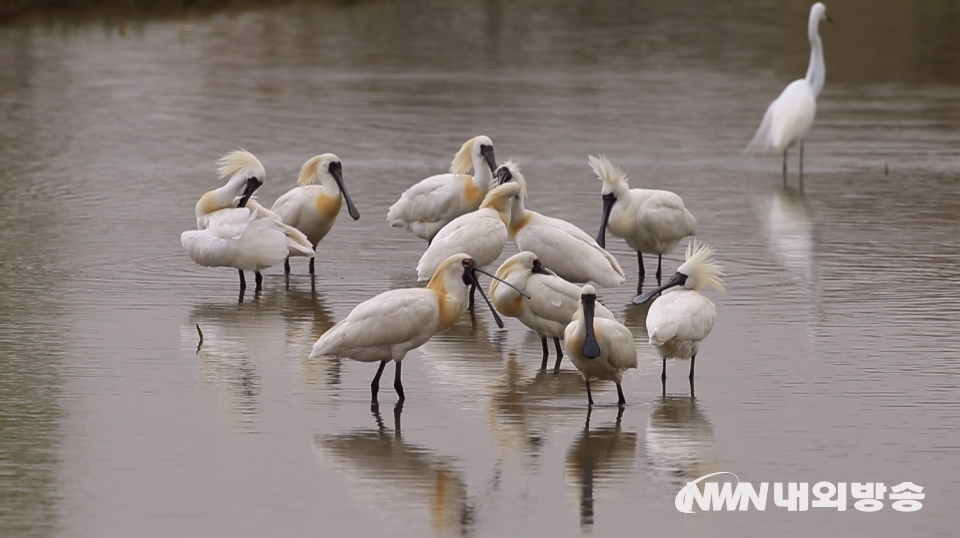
(663, 373)
(801, 166)
(589, 396)
(621, 401)
(473, 298)
(693, 361)
(659, 264)
(397, 385)
(556, 367)
(375, 384)
(642, 274)
(286, 265)
(243, 281)
(259, 279)
(784, 169)
(546, 354)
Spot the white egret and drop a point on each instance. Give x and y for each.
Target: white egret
(678, 321)
(562, 247)
(599, 347)
(233, 235)
(389, 325)
(431, 204)
(649, 220)
(551, 305)
(789, 116)
(313, 209)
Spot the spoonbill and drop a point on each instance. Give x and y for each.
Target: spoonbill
(565, 249)
(649, 220)
(389, 325)
(431, 204)
(599, 347)
(551, 305)
(677, 322)
(233, 235)
(313, 209)
(789, 116)
(482, 234)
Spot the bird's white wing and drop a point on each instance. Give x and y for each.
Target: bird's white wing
(288, 206)
(552, 297)
(567, 255)
(391, 318)
(430, 200)
(665, 217)
(622, 352)
(480, 234)
(786, 120)
(297, 242)
(683, 314)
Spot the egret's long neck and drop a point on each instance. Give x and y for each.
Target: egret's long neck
(816, 71)
(482, 176)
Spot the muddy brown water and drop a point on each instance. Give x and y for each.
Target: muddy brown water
(834, 357)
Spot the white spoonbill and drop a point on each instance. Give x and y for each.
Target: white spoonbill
(233, 235)
(677, 322)
(482, 234)
(389, 325)
(551, 304)
(428, 206)
(599, 347)
(562, 247)
(313, 209)
(789, 116)
(649, 220)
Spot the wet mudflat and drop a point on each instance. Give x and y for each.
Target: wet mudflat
(835, 355)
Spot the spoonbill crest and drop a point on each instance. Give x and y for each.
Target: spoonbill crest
(551, 305)
(233, 235)
(649, 220)
(562, 247)
(389, 325)
(789, 116)
(313, 209)
(599, 347)
(431, 204)
(678, 321)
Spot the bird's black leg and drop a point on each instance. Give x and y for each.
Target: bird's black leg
(546, 354)
(259, 279)
(784, 169)
(663, 373)
(473, 296)
(397, 385)
(375, 384)
(313, 261)
(642, 274)
(693, 360)
(621, 401)
(286, 266)
(659, 264)
(801, 166)
(589, 396)
(556, 367)
(243, 282)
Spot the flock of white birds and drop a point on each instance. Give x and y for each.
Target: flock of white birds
(467, 220)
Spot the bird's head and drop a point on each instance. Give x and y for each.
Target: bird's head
(478, 147)
(698, 271)
(588, 302)
(614, 187)
(818, 12)
(499, 198)
(327, 165)
(244, 171)
(462, 270)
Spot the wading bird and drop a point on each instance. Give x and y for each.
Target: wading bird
(431, 204)
(482, 234)
(233, 235)
(599, 347)
(551, 305)
(650, 221)
(562, 247)
(389, 325)
(313, 209)
(678, 321)
(789, 117)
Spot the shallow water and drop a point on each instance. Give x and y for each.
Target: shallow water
(834, 356)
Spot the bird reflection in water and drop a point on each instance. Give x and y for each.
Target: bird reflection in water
(410, 479)
(467, 357)
(680, 440)
(599, 457)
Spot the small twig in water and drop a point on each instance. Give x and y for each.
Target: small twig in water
(200, 344)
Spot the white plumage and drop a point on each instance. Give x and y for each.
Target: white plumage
(650, 221)
(431, 204)
(599, 347)
(313, 209)
(553, 301)
(790, 116)
(679, 321)
(237, 232)
(389, 325)
(562, 247)
(481, 234)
